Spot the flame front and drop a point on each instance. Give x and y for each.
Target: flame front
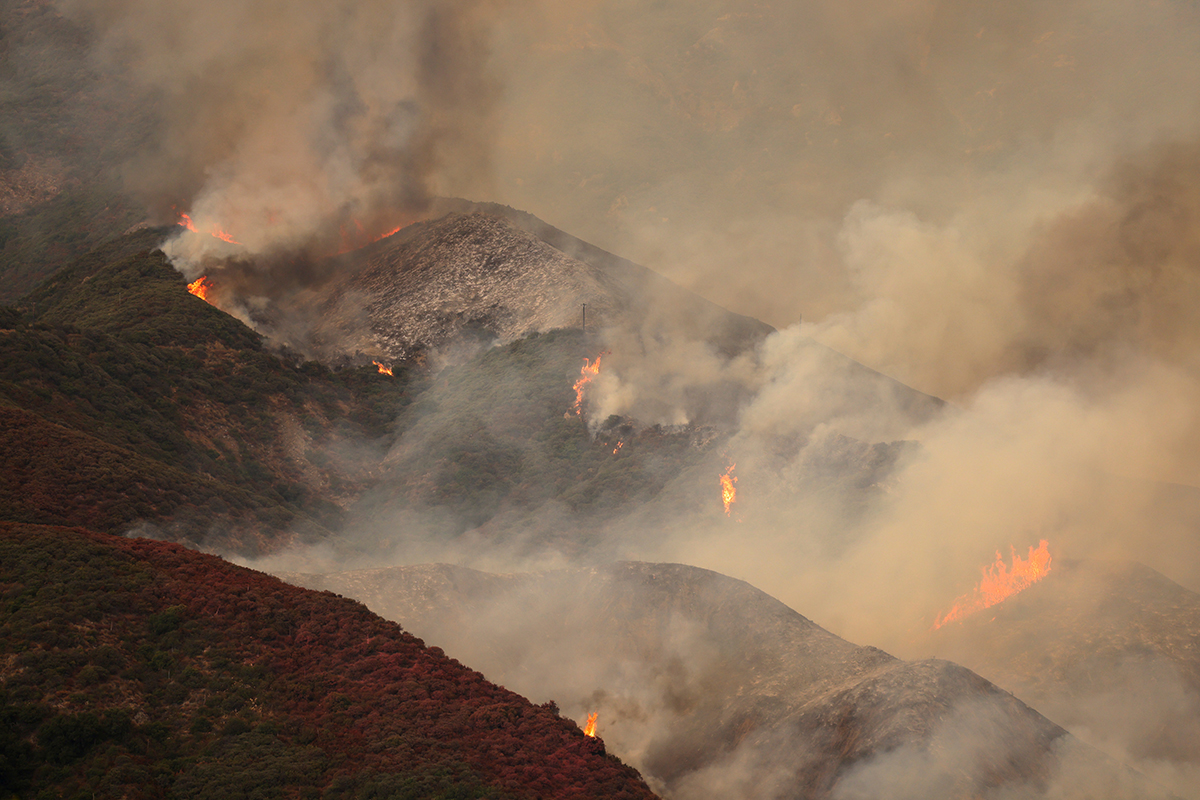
(586, 374)
(223, 236)
(999, 582)
(186, 221)
(729, 488)
(361, 236)
(198, 288)
(590, 728)
(382, 369)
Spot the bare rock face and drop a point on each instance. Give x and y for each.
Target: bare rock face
(472, 272)
(479, 275)
(714, 689)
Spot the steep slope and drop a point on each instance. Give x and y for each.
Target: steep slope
(650, 296)
(64, 126)
(125, 399)
(714, 689)
(140, 669)
(1111, 649)
(420, 288)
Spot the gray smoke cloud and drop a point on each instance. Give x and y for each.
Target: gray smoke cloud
(994, 204)
(301, 127)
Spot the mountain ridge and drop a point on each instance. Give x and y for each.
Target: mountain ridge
(694, 673)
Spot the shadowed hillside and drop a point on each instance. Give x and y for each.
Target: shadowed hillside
(140, 669)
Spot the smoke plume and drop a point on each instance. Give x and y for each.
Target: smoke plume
(301, 127)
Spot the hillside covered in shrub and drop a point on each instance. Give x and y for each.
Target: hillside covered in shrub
(140, 669)
(124, 399)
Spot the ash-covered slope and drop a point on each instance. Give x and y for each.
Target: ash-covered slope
(1109, 649)
(478, 273)
(714, 689)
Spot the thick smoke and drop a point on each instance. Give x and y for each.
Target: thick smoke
(995, 204)
(301, 127)
(723, 144)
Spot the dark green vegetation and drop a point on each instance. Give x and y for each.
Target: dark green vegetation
(125, 399)
(140, 669)
(38, 240)
(64, 126)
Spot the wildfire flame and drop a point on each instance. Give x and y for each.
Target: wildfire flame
(586, 374)
(382, 369)
(729, 488)
(186, 222)
(361, 236)
(590, 728)
(999, 582)
(620, 444)
(198, 288)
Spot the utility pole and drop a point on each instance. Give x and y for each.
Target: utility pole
(585, 325)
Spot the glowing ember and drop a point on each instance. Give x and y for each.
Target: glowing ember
(590, 728)
(198, 288)
(586, 374)
(382, 369)
(616, 449)
(999, 582)
(728, 488)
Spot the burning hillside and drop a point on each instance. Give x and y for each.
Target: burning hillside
(1111, 649)
(701, 675)
(1001, 582)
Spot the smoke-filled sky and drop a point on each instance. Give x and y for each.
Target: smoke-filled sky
(995, 203)
(954, 191)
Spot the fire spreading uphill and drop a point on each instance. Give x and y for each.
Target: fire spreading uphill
(215, 230)
(729, 487)
(382, 369)
(589, 371)
(590, 728)
(999, 582)
(199, 288)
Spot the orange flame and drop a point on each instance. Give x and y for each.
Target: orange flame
(728, 488)
(586, 374)
(186, 222)
(361, 236)
(382, 369)
(198, 288)
(620, 444)
(999, 583)
(590, 728)
(223, 236)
